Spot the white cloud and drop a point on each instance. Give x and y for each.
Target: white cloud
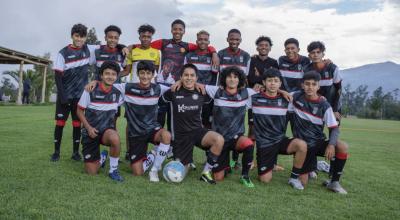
(325, 2)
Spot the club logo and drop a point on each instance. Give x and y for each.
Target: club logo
(87, 156)
(279, 102)
(315, 110)
(152, 54)
(183, 108)
(195, 96)
(263, 168)
(133, 157)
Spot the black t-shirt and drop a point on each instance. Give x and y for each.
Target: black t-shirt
(186, 109)
(261, 66)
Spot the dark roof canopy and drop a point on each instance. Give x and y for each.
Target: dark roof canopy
(9, 56)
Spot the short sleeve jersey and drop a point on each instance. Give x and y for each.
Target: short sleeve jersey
(138, 54)
(293, 72)
(108, 54)
(203, 63)
(240, 59)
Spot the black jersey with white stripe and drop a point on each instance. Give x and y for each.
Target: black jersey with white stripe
(105, 53)
(330, 78)
(270, 120)
(229, 110)
(100, 106)
(310, 117)
(73, 64)
(239, 59)
(141, 106)
(293, 72)
(203, 63)
(186, 106)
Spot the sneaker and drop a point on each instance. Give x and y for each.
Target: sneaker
(55, 157)
(234, 165)
(76, 156)
(103, 158)
(192, 166)
(207, 177)
(336, 187)
(116, 176)
(323, 166)
(246, 181)
(313, 175)
(153, 175)
(296, 184)
(326, 183)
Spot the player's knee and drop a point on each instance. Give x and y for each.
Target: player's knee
(301, 146)
(76, 124)
(265, 178)
(165, 137)
(60, 123)
(219, 176)
(246, 144)
(342, 147)
(219, 140)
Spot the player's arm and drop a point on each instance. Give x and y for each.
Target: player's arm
(286, 95)
(198, 86)
(80, 112)
(337, 83)
(331, 123)
(59, 66)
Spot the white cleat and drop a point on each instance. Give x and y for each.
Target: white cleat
(336, 187)
(296, 184)
(323, 166)
(153, 174)
(313, 175)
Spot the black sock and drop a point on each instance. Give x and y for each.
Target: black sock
(247, 159)
(295, 173)
(235, 155)
(58, 132)
(337, 168)
(212, 158)
(76, 136)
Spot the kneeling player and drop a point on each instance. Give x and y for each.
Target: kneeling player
(187, 129)
(311, 113)
(270, 122)
(97, 111)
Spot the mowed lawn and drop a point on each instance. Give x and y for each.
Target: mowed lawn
(32, 187)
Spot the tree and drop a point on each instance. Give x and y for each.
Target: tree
(9, 89)
(92, 39)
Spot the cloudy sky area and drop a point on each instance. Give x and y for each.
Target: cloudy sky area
(355, 32)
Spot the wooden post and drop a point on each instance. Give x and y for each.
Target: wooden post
(20, 83)
(44, 85)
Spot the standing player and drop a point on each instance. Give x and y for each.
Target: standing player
(187, 129)
(97, 110)
(270, 122)
(234, 56)
(311, 113)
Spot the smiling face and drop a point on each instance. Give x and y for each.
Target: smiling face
(272, 85)
(203, 41)
(310, 88)
(77, 40)
(112, 38)
(234, 40)
(292, 51)
(145, 39)
(189, 78)
(316, 55)
(177, 31)
(109, 76)
(232, 81)
(263, 48)
(145, 77)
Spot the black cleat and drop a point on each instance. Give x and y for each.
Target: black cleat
(76, 156)
(207, 177)
(55, 157)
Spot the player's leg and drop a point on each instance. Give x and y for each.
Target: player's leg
(76, 131)
(219, 170)
(91, 153)
(111, 138)
(137, 153)
(213, 142)
(308, 165)
(163, 137)
(299, 149)
(61, 115)
(341, 153)
(183, 149)
(265, 162)
(245, 146)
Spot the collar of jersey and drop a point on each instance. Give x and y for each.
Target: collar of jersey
(105, 90)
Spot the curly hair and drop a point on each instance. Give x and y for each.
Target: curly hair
(237, 72)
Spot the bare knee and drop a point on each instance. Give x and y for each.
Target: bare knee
(219, 176)
(342, 147)
(265, 178)
(165, 137)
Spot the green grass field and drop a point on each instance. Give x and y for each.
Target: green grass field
(31, 187)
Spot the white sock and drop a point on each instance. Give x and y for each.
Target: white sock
(113, 163)
(148, 162)
(161, 154)
(207, 168)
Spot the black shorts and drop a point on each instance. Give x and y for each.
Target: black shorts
(266, 156)
(224, 158)
(206, 114)
(138, 145)
(250, 119)
(91, 146)
(183, 145)
(63, 110)
(310, 163)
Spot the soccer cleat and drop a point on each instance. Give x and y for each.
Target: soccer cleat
(76, 156)
(313, 175)
(296, 184)
(103, 158)
(116, 176)
(336, 187)
(55, 157)
(192, 166)
(323, 166)
(246, 181)
(207, 177)
(153, 175)
(326, 182)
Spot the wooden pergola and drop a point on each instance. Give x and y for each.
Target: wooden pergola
(9, 56)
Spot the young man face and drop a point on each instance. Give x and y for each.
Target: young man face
(109, 76)
(316, 55)
(189, 78)
(177, 31)
(292, 51)
(272, 85)
(112, 38)
(310, 88)
(232, 81)
(145, 39)
(145, 77)
(263, 48)
(203, 41)
(78, 40)
(234, 40)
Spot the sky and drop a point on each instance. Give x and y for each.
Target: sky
(355, 32)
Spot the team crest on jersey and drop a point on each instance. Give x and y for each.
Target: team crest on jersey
(152, 54)
(208, 60)
(279, 102)
(299, 67)
(182, 50)
(195, 96)
(238, 96)
(326, 74)
(114, 97)
(315, 110)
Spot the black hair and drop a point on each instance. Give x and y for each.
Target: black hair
(112, 28)
(312, 75)
(191, 66)
(271, 73)
(234, 30)
(316, 45)
(264, 38)
(145, 65)
(178, 21)
(237, 72)
(79, 29)
(291, 41)
(146, 28)
(109, 65)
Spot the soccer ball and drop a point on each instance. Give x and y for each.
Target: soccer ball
(174, 171)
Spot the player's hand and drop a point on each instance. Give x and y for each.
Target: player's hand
(90, 86)
(327, 61)
(125, 51)
(215, 61)
(256, 72)
(92, 132)
(258, 87)
(286, 95)
(176, 86)
(338, 116)
(200, 88)
(330, 152)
